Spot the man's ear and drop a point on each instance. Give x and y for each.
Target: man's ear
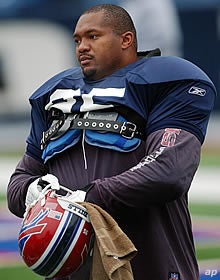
(127, 39)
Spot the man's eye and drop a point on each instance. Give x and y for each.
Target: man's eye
(94, 37)
(77, 41)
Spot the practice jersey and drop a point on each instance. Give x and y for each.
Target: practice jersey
(163, 91)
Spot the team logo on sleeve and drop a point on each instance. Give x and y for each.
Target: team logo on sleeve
(169, 137)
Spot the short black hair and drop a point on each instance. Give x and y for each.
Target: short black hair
(117, 17)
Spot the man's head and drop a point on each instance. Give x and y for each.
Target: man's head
(105, 39)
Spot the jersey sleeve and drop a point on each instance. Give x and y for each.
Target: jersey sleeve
(186, 105)
(27, 170)
(39, 124)
(172, 92)
(163, 175)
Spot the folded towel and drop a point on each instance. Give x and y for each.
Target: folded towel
(113, 250)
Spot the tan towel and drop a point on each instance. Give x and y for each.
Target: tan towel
(113, 250)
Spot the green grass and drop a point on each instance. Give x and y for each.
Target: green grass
(2, 198)
(201, 209)
(18, 273)
(210, 158)
(208, 253)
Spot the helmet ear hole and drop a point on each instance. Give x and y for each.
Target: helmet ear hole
(54, 240)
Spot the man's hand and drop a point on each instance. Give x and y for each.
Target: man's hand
(77, 196)
(36, 187)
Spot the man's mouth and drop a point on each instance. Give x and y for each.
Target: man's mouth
(85, 59)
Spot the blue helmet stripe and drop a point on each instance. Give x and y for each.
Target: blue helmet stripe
(60, 246)
(43, 260)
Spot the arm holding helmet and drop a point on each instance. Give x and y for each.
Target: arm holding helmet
(27, 182)
(50, 181)
(27, 171)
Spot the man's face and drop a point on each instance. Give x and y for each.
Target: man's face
(98, 48)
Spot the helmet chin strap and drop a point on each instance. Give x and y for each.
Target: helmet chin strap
(41, 197)
(71, 196)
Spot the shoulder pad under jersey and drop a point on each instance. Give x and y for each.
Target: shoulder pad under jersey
(165, 69)
(63, 77)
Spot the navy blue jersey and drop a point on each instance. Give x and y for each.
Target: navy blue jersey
(164, 91)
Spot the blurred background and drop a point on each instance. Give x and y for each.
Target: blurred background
(36, 43)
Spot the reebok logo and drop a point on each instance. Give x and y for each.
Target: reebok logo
(197, 91)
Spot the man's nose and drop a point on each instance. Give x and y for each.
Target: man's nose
(83, 46)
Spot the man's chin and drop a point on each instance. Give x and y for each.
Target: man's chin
(89, 74)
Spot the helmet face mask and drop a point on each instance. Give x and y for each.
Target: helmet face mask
(56, 236)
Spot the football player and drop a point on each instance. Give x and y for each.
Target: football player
(129, 126)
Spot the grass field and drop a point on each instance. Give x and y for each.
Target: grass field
(207, 215)
(18, 273)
